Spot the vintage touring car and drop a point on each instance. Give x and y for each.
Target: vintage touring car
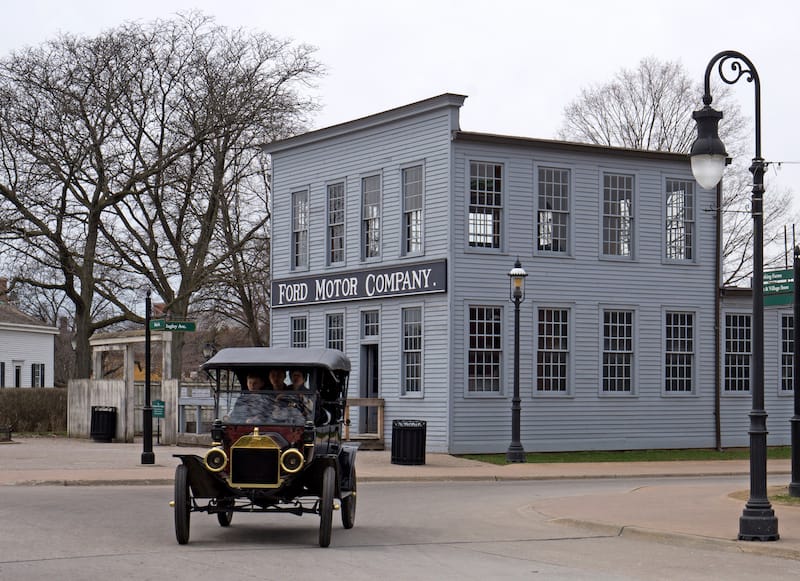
(277, 440)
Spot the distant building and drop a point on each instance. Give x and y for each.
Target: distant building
(392, 239)
(26, 347)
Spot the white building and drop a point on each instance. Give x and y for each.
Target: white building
(26, 347)
(393, 236)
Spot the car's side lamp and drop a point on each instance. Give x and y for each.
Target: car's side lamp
(216, 431)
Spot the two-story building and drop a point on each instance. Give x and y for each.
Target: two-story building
(392, 239)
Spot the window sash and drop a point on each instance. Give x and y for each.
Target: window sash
(371, 216)
(335, 331)
(618, 351)
(787, 353)
(552, 354)
(299, 332)
(617, 215)
(737, 353)
(680, 221)
(336, 223)
(412, 209)
(370, 324)
(485, 205)
(300, 229)
(679, 352)
(412, 350)
(485, 349)
(553, 215)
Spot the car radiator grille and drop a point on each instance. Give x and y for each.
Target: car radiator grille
(254, 467)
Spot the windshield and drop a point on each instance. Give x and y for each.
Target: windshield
(271, 407)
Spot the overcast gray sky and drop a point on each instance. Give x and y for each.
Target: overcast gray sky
(519, 61)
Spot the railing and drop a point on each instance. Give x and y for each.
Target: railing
(366, 405)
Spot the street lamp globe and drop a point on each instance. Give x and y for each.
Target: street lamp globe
(708, 153)
(517, 281)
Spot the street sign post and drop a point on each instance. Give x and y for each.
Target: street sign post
(158, 408)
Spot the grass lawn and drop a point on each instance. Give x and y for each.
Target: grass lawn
(701, 454)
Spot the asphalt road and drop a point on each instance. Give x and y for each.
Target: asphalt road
(440, 530)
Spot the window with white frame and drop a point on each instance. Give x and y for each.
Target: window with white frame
(618, 351)
(37, 375)
(787, 353)
(678, 352)
(371, 217)
(552, 219)
(680, 220)
(617, 215)
(737, 352)
(299, 332)
(412, 209)
(485, 204)
(300, 229)
(336, 224)
(552, 352)
(370, 324)
(485, 349)
(334, 329)
(412, 351)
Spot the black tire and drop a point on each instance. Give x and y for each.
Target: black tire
(183, 504)
(349, 506)
(225, 518)
(326, 506)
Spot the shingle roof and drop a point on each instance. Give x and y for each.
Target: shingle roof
(10, 314)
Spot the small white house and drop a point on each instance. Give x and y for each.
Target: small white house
(26, 347)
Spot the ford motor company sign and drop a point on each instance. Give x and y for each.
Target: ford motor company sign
(406, 279)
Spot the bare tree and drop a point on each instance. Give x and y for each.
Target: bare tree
(651, 108)
(122, 155)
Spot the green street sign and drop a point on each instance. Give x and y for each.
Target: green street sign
(158, 408)
(779, 287)
(175, 326)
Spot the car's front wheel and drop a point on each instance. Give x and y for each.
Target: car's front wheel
(225, 518)
(349, 506)
(326, 506)
(183, 504)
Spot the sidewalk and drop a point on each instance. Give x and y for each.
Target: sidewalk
(697, 514)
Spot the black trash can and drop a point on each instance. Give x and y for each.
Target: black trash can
(408, 442)
(104, 423)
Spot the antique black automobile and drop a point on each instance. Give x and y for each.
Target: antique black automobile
(277, 440)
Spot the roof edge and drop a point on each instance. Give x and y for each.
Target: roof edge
(572, 146)
(398, 113)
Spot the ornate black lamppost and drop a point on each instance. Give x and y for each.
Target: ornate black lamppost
(148, 457)
(758, 521)
(516, 277)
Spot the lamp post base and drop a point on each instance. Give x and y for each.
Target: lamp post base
(757, 524)
(515, 453)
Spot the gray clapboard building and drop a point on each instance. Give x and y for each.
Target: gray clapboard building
(392, 239)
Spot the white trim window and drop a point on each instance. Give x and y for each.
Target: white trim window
(37, 375)
(737, 353)
(371, 217)
(552, 217)
(552, 352)
(485, 349)
(336, 224)
(370, 324)
(300, 229)
(678, 352)
(787, 353)
(618, 351)
(485, 204)
(334, 331)
(412, 351)
(618, 215)
(413, 188)
(680, 222)
(299, 332)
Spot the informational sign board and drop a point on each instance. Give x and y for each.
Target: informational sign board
(158, 408)
(779, 287)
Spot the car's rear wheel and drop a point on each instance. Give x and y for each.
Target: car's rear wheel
(183, 505)
(326, 506)
(225, 518)
(349, 506)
